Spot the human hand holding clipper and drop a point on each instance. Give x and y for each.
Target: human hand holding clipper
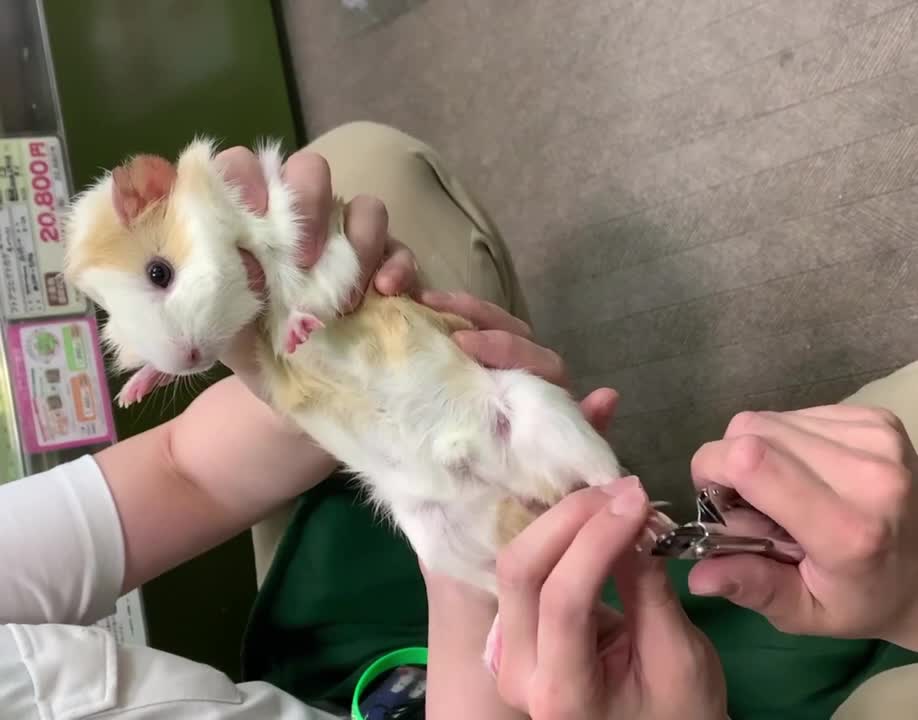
(839, 480)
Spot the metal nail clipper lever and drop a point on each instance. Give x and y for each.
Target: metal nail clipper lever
(709, 535)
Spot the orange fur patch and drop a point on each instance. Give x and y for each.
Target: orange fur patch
(109, 244)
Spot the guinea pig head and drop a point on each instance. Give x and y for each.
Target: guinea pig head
(156, 245)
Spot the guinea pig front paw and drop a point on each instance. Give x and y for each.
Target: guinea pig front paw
(141, 384)
(300, 325)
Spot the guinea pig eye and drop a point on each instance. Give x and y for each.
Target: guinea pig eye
(159, 272)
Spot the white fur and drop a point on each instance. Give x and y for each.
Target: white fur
(431, 458)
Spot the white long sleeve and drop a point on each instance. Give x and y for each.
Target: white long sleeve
(61, 567)
(61, 547)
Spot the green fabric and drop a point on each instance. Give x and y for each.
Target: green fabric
(345, 589)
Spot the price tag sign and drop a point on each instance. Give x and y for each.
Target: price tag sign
(33, 198)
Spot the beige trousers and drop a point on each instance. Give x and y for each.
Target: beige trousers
(458, 247)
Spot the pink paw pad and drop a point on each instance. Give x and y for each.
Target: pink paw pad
(299, 327)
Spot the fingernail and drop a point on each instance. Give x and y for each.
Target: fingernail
(713, 588)
(618, 485)
(631, 501)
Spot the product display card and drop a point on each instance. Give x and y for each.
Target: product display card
(127, 622)
(58, 381)
(33, 196)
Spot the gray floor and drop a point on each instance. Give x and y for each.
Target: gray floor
(712, 203)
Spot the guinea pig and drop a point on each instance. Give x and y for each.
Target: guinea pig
(458, 456)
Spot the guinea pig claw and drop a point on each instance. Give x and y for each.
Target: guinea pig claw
(141, 384)
(300, 325)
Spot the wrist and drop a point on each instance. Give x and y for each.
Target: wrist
(447, 595)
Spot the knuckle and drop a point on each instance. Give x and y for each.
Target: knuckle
(889, 482)
(746, 454)
(865, 540)
(747, 422)
(890, 442)
(883, 416)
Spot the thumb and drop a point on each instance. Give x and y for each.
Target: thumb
(651, 605)
(770, 588)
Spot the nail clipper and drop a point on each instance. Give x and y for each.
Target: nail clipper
(709, 536)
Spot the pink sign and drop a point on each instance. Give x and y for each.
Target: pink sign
(59, 383)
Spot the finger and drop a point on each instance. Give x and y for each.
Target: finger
(309, 178)
(652, 608)
(875, 438)
(773, 589)
(779, 485)
(851, 413)
(522, 567)
(599, 408)
(505, 351)
(837, 452)
(482, 314)
(567, 623)
(241, 169)
(398, 274)
(751, 523)
(366, 224)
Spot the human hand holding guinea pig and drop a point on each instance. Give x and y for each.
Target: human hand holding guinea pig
(384, 261)
(840, 480)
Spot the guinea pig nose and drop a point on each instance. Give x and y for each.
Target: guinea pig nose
(193, 356)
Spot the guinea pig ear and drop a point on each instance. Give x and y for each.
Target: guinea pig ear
(139, 182)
